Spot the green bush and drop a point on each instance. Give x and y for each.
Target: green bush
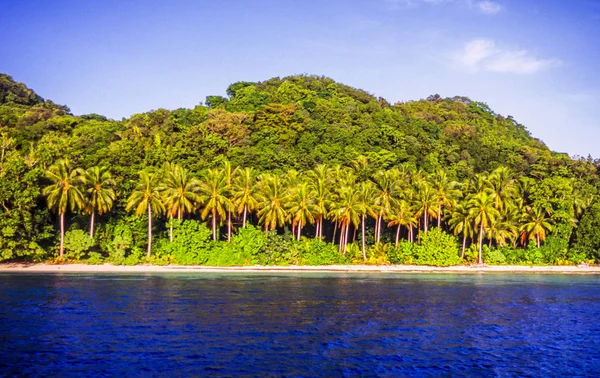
(77, 244)
(276, 250)
(554, 249)
(404, 253)
(135, 257)
(95, 258)
(437, 248)
(190, 246)
(493, 256)
(317, 252)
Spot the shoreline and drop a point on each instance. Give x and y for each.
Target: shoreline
(108, 268)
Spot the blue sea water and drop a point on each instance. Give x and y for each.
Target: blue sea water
(299, 325)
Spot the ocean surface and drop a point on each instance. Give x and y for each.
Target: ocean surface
(299, 325)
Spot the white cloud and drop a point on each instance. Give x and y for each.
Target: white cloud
(484, 55)
(488, 7)
(485, 6)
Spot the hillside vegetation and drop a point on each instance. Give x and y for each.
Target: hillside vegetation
(294, 170)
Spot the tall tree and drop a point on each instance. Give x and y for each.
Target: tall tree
(146, 198)
(460, 223)
(271, 211)
(245, 193)
(483, 213)
(214, 194)
(64, 193)
(181, 193)
(403, 215)
(367, 195)
(319, 179)
(99, 192)
(300, 207)
(535, 226)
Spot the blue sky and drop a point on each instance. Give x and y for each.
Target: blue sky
(538, 61)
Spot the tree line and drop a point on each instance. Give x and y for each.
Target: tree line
(493, 208)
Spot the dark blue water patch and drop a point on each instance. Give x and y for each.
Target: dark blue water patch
(299, 325)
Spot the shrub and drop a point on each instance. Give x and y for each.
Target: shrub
(493, 256)
(95, 258)
(77, 244)
(437, 248)
(190, 246)
(317, 252)
(402, 254)
(135, 257)
(276, 250)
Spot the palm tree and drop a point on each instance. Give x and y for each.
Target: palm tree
(426, 199)
(245, 193)
(229, 176)
(403, 215)
(180, 192)
(345, 211)
(460, 223)
(387, 187)
(64, 193)
(99, 192)
(446, 191)
(214, 192)
(145, 198)
(271, 212)
(301, 207)
(319, 182)
(501, 183)
(483, 213)
(536, 225)
(366, 207)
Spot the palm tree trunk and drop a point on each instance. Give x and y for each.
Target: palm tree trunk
(376, 230)
(480, 243)
(149, 231)
(245, 212)
(411, 235)
(439, 220)
(346, 238)
(341, 246)
(379, 228)
(334, 231)
(537, 237)
(426, 220)
(62, 236)
(228, 226)
(214, 223)
(462, 256)
(299, 229)
(171, 227)
(398, 235)
(92, 224)
(363, 238)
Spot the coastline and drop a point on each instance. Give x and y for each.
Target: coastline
(108, 268)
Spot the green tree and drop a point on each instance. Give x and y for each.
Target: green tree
(271, 211)
(64, 193)
(214, 194)
(245, 194)
(146, 199)
(300, 207)
(483, 213)
(535, 226)
(99, 192)
(365, 206)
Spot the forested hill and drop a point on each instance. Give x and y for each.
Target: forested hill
(287, 127)
(292, 123)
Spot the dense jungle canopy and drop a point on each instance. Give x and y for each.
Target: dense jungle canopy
(351, 176)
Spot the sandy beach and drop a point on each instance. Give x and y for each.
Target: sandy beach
(108, 268)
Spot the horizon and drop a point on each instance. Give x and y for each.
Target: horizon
(533, 62)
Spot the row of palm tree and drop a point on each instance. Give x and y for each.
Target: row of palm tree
(77, 189)
(492, 208)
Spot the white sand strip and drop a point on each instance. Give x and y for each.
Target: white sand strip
(108, 268)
